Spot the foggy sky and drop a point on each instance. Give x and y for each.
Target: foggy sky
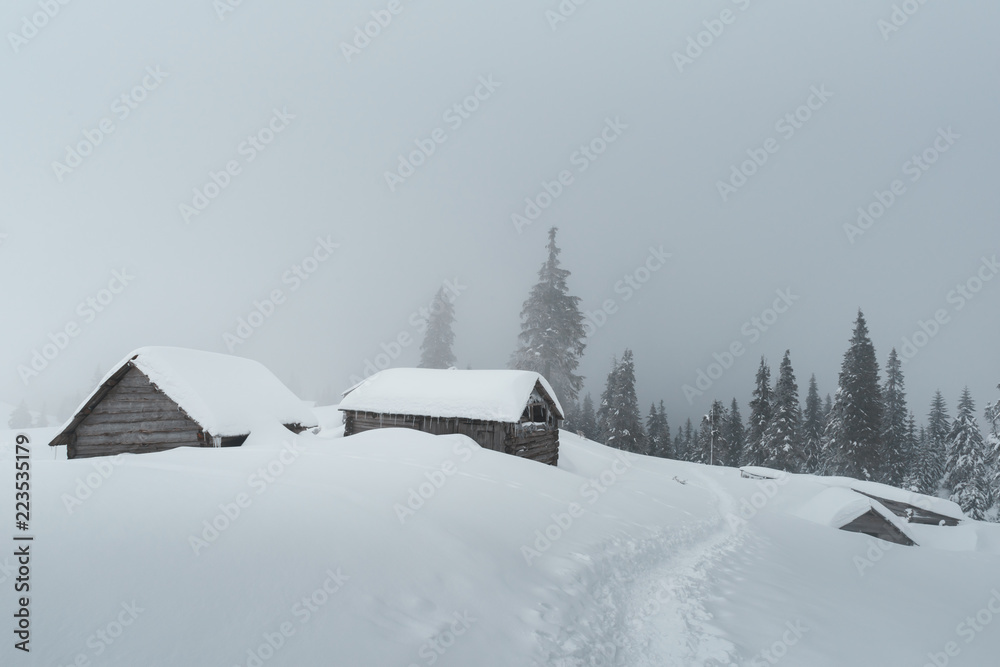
(344, 124)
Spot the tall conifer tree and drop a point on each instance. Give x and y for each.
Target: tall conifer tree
(552, 337)
(935, 454)
(782, 440)
(851, 441)
(894, 442)
(760, 416)
(968, 462)
(435, 350)
(619, 413)
(812, 427)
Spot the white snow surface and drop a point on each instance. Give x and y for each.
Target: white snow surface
(835, 507)
(492, 395)
(227, 395)
(636, 562)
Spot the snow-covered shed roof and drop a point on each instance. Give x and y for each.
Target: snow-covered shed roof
(838, 506)
(225, 395)
(488, 395)
(940, 506)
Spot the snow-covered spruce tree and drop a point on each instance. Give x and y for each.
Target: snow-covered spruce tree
(686, 448)
(435, 351)
(552, 337)
(658, 432)
(20, 417)
(760, 416)
(851, 441)
(914, 456)
(571, 417)
(812, 427)
(895, 453)
(968, 462)
(781, 443)
(935, 454)
(735, 434)
(588, 419)
(42, 418)
(827, 409)
(993, 448)
(712, 447)
(914, 479)
(619, 413)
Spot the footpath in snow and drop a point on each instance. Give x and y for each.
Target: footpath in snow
(400, 548)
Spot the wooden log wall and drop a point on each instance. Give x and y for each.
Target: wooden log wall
(134, 417)
(539, 444)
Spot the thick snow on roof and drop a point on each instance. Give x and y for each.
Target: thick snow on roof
(226, 395)
(837, 506)
(924, 502)
(491, 395)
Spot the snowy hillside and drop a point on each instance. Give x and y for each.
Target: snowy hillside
(395, 547)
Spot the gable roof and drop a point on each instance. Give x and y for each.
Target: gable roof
(225, 395)
(838, 507)
(488, 395)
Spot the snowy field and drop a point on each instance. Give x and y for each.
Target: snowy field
(399, 548)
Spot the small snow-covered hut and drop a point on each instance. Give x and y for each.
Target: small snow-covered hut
(159, 398)
(515, 412)
(913, 507)
(848, 510)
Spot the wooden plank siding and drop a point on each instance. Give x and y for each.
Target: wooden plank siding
(134, 417)
(533, 443)
(874, 524)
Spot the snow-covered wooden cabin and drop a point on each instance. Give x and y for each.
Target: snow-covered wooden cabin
(158, 398)
(846, 509)
(515, 412)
